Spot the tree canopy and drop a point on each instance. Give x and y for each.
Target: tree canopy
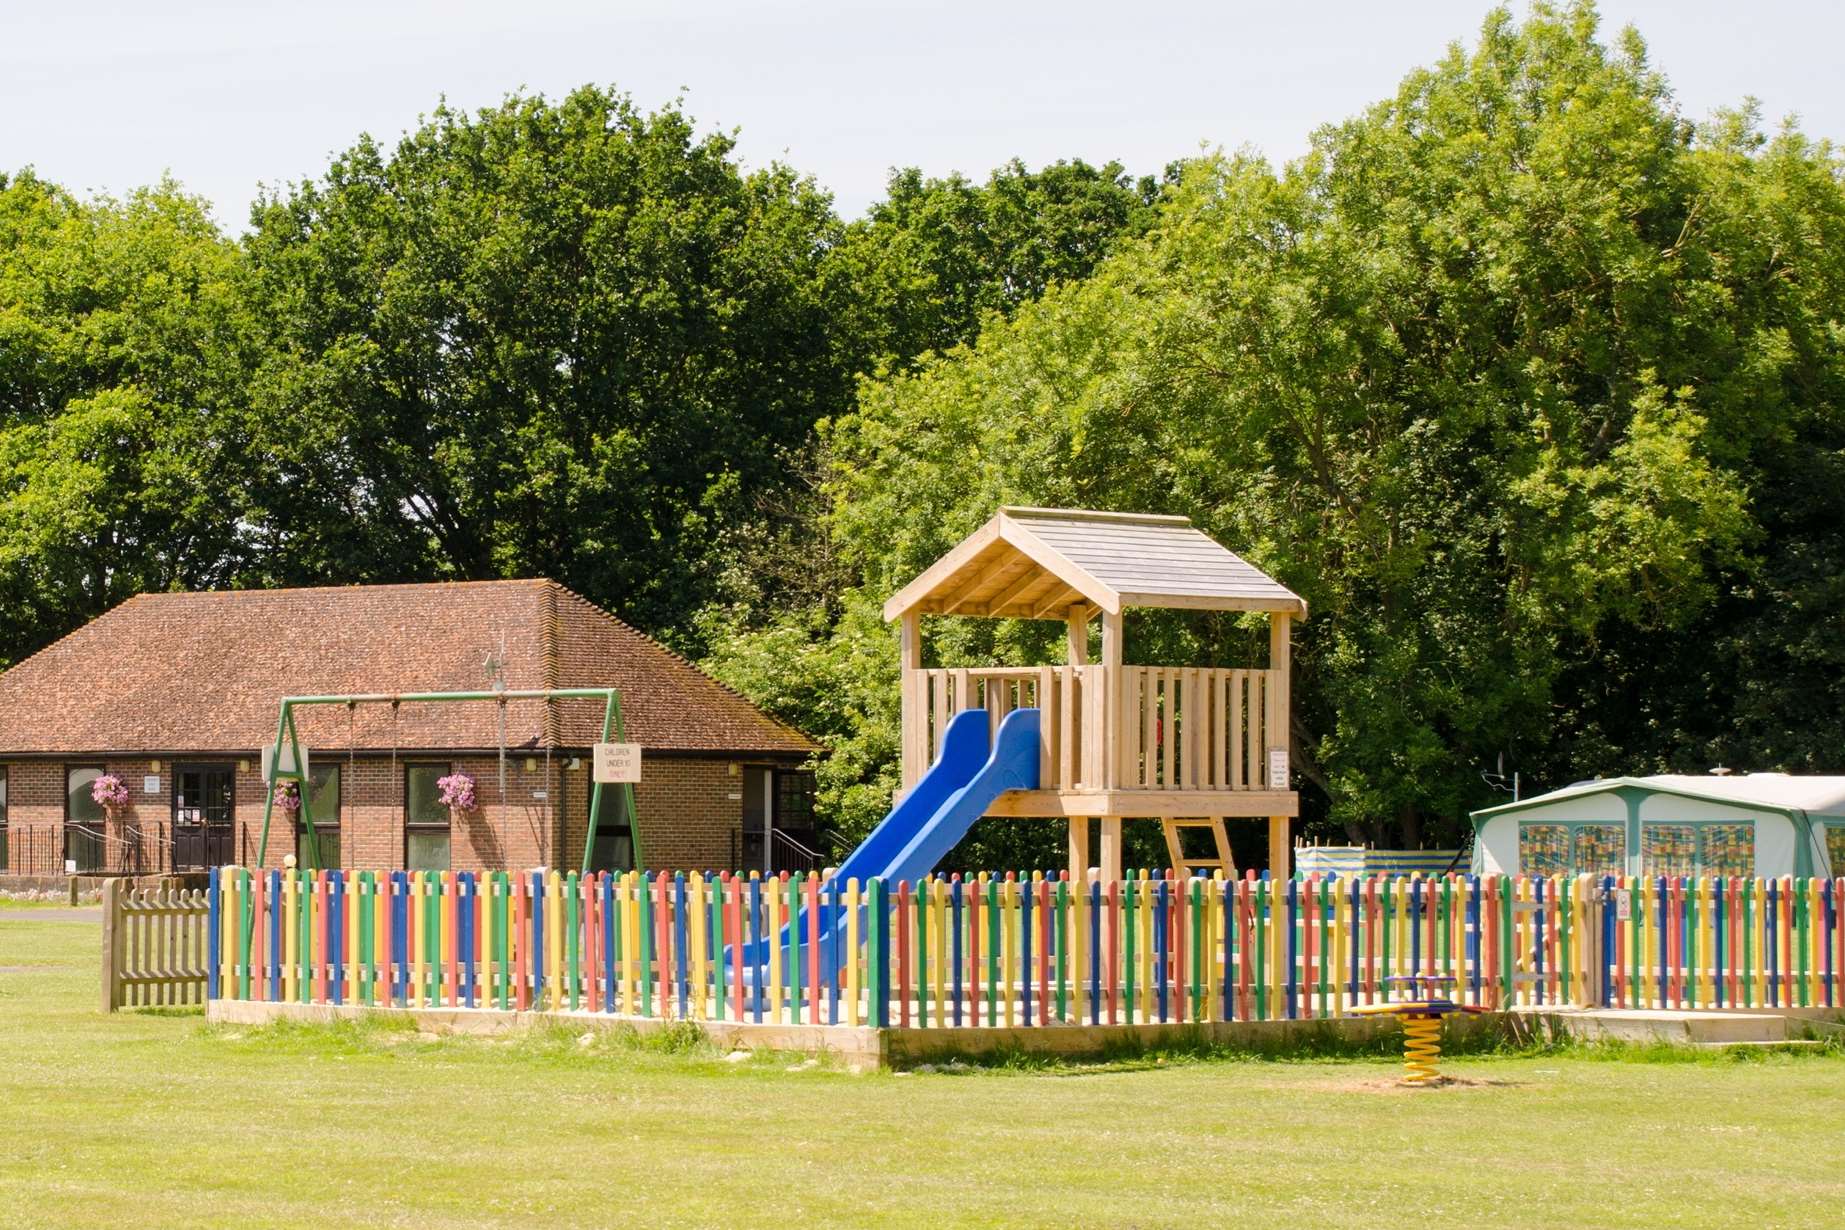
(1517, 368)
(1529, 383)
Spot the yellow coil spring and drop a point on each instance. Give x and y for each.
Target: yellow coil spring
(1421, 1049)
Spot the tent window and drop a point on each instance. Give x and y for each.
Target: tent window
(1600, 849)
(1697, 849)
(1835, 848)
(1572, 849)
(1726, 849)
(1543, 849)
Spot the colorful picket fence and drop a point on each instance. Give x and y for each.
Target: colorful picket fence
(1012, 950)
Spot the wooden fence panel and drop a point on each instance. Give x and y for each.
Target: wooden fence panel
(154, 946)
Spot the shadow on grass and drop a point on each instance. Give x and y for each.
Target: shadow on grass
(1502, 1041)
(564, 1046)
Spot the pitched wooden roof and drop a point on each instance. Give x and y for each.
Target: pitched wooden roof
(205, 672)
(1036, 563)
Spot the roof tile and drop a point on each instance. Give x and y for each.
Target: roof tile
(200, 672)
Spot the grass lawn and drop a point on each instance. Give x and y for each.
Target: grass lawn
(155, 1120)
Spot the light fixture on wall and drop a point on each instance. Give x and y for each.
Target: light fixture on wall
(736, 770)
(153, 766)
(574, 763)
(531, 764)
(243, 766)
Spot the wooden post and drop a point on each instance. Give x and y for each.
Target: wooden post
(1280, 705)
(1278, 733)
(1113, 630)
(915, 707)
(1111, 849)
(1079, 851)
(1278, 851)
(113, 936)
(1076, 636)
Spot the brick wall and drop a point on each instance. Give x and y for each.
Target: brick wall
(690, 812)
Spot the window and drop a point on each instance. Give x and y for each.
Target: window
(1726, 849)
(1572, 849)
(794, 799)
(4, 863)
(324, 801)
(1835, 849)
(1543, 849)
(613, 849)
(1668, 850)
(426, 834)
(1600, 849)
(1697, 849)
(84, 818)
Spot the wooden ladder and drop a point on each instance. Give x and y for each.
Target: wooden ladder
(1182, 865)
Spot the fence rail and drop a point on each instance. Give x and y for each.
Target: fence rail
(1014, 951)
(156, 946)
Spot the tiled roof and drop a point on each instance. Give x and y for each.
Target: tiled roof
(204, 672)
(1038, 563)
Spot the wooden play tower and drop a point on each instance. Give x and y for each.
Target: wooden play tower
(1188, 746)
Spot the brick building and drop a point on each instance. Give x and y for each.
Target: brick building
(176, 695)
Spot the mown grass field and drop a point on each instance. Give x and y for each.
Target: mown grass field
(158, 1120)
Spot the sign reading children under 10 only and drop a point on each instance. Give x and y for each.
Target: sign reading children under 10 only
(617, 762)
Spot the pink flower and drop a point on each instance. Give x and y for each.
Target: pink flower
(288, 797)
(457, 791)
(109, 791)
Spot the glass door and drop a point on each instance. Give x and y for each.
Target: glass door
(202, 814)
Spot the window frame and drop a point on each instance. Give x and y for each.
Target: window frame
(1697, 828)
(1835, 868)
(102, 837)
(612, 825)
(321, 827)
(1572, 827)
(410, 826)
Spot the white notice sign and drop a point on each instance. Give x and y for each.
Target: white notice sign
(1624, 907)
(288, 761)
(1277, 768)
(618, 762)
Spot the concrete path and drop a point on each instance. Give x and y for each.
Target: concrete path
(82, 914)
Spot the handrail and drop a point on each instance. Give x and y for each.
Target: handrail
(1164, 728)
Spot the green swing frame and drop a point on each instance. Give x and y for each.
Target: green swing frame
(285, 734)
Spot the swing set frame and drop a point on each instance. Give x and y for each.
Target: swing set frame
(285, 734)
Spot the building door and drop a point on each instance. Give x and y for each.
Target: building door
(778, 821)
(202, 812)
(758, 812)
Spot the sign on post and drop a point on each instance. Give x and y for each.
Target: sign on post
(1277, 768)
(617, 762)
(288, 761)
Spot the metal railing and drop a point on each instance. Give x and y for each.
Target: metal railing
(153, 847)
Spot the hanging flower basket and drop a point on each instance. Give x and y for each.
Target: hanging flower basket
(456, 791)
(109, 791)
(288, 797)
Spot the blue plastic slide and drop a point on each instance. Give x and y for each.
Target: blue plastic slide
(927, 822)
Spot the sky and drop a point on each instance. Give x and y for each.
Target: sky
(229, 94)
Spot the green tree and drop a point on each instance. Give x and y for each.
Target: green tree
(563, 338)
(123, 347)
(1491, 377)
(931, 260)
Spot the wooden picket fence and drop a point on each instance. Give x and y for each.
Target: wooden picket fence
(156, 946)
(1010, 950)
